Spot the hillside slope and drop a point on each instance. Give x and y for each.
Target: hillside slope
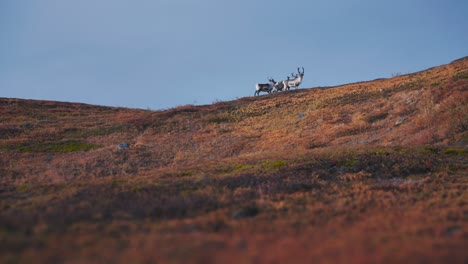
(430, 105)
(314, 171)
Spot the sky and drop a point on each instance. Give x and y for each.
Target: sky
(160, 54)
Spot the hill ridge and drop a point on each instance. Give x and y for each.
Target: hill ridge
(242, 98)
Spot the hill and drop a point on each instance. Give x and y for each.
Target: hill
(363, 172)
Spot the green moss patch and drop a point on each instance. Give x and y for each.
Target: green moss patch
(53, 147)
(274, 164)
(453, 151)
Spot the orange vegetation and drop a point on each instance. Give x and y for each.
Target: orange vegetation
(365, 172)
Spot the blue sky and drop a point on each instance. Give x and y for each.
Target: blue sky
(160, 54)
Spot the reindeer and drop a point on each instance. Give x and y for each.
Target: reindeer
(281, 85)
(264, 87)
(297, 79)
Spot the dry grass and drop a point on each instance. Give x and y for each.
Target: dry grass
(366, 172)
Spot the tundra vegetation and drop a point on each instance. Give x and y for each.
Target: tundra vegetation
(366, 172)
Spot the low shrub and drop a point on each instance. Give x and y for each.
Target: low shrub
(376, 117)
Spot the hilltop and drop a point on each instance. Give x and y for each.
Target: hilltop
(364, 172)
